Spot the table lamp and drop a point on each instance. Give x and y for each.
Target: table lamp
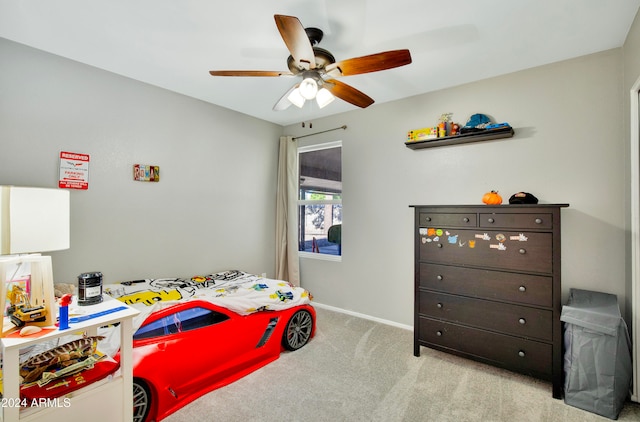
(32, 220)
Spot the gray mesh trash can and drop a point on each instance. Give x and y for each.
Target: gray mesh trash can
(597, 359)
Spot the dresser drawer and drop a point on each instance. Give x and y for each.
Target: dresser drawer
(517, 221)
(512, 287)
(501, 317)
(449, 219)
(508, 250)
(518, 354)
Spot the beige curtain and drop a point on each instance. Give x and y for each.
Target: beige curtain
(287, 264)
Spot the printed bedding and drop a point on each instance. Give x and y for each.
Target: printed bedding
(235, 290)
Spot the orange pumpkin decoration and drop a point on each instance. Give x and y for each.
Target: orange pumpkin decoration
(492, 198)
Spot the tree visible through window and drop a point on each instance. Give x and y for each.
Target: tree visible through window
(320, 199)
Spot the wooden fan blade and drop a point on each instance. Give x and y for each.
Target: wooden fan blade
(348, 93)
(371, 63)
(297, 41)
(249, 73)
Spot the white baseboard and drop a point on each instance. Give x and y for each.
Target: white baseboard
(363, 316)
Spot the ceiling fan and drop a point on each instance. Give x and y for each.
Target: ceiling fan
(319, 68)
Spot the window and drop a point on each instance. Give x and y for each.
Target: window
(185, 320)
(320, 200)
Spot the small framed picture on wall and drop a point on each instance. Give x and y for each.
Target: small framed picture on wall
(146, 173)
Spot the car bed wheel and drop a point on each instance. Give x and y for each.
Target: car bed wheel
(298, 330)
(141, 401)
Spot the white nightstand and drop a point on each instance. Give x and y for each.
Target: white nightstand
(109, 400)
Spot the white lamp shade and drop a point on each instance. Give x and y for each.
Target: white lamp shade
(324, 97)
(33, 220)
(296, 98)
(308, 88)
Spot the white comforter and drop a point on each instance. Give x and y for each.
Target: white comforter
(235, 290)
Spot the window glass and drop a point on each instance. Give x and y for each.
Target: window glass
(188, 319)
(320, 199)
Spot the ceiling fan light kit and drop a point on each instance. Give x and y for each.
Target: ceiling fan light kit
(324, 97)
(296, 98)
(318, 67)
(312, 86)
(308, 88)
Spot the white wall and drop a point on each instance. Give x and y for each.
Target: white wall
(213, 208)
(568, 148)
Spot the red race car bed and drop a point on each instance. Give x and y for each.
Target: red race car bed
(200, 333)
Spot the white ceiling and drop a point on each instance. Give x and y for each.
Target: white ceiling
(174, 43)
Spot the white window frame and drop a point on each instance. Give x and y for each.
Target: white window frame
(301, 202)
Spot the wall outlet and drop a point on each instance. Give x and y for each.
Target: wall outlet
(263, 275)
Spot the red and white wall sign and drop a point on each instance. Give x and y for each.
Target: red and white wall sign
(74, 170)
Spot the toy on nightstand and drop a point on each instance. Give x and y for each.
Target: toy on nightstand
(21, 311)
(63, 320)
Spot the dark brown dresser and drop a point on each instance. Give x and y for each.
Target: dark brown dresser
(487, 285)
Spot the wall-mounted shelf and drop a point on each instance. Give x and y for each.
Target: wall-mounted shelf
(505, 132)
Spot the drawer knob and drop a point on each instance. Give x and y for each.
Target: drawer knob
(521, 353)
(439, 245)
(491, 220)
(538, 220)
(522, 289)
(439, 277)
(466, 219)
(522, 321)
(522, 251)
(428, 218)
(439, 333)
(439, 305)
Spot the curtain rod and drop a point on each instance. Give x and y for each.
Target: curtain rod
(317, 133)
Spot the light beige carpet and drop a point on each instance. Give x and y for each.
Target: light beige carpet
(358, 370)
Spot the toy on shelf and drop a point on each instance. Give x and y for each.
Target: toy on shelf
(444, 125)
(422, 134)
(443, 128)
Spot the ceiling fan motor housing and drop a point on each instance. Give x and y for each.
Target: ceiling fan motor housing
(323, 58)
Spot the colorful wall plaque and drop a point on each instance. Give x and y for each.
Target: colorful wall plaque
(146, 173)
